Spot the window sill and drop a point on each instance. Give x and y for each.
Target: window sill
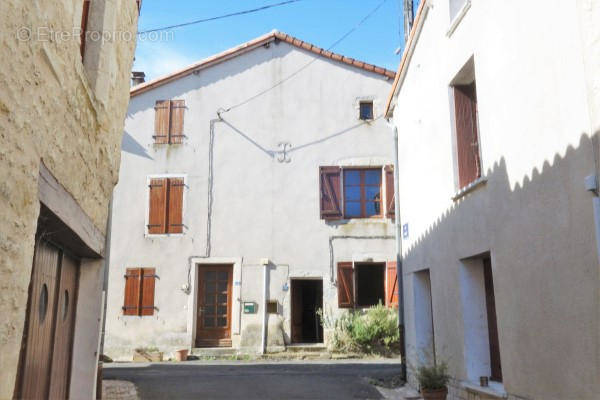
(495, 389)
(458, 18)
(469, 188)
(161, 235)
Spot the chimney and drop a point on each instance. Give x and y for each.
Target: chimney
(409, 17)
(137, 77)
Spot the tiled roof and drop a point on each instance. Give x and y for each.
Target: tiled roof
(252, 44)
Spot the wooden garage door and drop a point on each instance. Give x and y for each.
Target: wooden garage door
(46, 356)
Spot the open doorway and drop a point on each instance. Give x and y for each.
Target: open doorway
(307, 298)
(370, 284)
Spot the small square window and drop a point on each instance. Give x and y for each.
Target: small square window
(366, 110)
(272, 307)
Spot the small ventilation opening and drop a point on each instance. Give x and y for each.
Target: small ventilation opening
(366, 110)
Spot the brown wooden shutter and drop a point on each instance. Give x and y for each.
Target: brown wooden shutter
(391, 296)
(162, 121)
(147, 302)
(132, 291)
(177, 111)
(158, 197)
(390, 210)
(345, 283)
(84, 23)
(467, 141)
(175, 211)
(330, 187)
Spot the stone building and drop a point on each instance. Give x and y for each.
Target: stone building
(63, 99)
(229, 219)
(497, 111)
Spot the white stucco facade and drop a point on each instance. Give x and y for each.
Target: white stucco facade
(250, 206)
(536, 67)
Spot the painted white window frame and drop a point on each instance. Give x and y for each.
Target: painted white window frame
(183, 205)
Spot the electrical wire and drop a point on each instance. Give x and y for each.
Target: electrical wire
(302, 68)
(283, 3)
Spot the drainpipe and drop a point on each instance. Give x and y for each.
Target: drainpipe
(399, 272)
(263, 348)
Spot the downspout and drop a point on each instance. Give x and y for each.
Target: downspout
(263, 348)
(399, 272)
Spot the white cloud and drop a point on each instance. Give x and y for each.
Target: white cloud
(158, 59)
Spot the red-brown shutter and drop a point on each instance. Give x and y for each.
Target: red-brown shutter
(158, 197)
(84, 22)
(162, 121)
(147, 302)
(390, 210)
(132, 292)
(391, 292)
(345, 283)
(175, 211)
(330, 187)
(177, 111)
(467, 141)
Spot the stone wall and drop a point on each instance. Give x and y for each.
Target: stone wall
(55, 109)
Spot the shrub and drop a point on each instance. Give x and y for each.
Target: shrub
(375, 330)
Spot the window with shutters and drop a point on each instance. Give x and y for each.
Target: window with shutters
(367, 284)
(165, 210)
(467, 135)
(84, 26)
(362, 193)
(139, 292)
(363, 190)
(168, 121)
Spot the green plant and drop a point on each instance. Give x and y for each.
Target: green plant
(147, 349)
(433, 377)
(358, 331)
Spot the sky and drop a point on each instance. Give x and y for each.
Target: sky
(320, 22)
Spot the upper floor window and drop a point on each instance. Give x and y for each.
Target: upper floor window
(165, 211)
(356, 192)
(366, 110)
(168, 121)
(362, 193)
(467, 136)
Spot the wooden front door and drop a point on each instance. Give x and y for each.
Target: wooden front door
(47, 341)
(213, 325)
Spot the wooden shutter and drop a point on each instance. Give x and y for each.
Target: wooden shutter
(84, 23)
(390, 210)
(175, 206)
(330, 187)
(467, 141)
(177, 111)
(162, 121)
(147, 296)
(157, 209)
(132, 291)
(391, 292)
(345, 283)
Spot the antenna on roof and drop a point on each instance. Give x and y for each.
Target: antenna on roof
(409, 18)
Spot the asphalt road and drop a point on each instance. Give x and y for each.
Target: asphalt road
(330, 380)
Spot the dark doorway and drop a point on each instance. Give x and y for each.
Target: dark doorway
(370, 284)
(307, 298)
(490, 303)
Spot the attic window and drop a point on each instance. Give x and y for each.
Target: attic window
(366, 110)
